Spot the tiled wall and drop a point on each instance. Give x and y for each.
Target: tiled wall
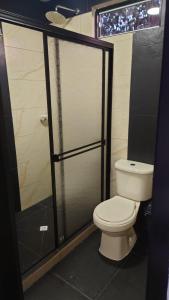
(84, 24)
(26, 75)
(121, 98)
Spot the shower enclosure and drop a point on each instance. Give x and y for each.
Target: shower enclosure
(78, 138)
(59, 87)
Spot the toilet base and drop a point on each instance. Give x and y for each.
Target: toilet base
(116, 246)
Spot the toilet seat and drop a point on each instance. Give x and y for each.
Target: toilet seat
(116, 214)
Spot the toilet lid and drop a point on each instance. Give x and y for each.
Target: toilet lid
(115, 210)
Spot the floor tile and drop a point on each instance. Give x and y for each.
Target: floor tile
(86, 269)
(52, 288)
(130, 282)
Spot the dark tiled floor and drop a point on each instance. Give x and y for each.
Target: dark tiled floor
(33, 243)
(53, 288)
(130, 282)
(85, 274)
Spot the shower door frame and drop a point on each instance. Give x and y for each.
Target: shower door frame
(102, 143)
(7, 132)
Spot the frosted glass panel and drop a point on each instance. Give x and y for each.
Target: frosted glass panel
(27, 87)
(78, 187)
(76, 92)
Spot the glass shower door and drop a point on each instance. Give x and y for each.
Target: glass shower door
(75, 73)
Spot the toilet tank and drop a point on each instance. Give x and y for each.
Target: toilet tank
(134, 180)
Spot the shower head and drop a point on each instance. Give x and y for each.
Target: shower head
(57, 18)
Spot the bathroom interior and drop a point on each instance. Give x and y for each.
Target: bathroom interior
(83, 98)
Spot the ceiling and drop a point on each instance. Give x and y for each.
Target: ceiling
(36, 8)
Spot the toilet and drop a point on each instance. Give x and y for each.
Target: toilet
(115, 217)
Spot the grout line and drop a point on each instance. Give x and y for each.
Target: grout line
(111, 279)
(30, 108)
(69, 284)
(107, 284)
(24, 49)
(25, 79)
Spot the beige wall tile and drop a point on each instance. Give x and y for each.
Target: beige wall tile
(120, 123)
(36, 168)
(27, 121)
(28, 100)
(34, 193)
(113, 191)
(118, 37)
(87, 24)
(33, 157)
(26, 94)
(122, 57)
(119, 149)
(122, 66)
(74, 24)
(20, 37)
(121, 92)
(121, 99)
(24, 64)
(83, 24)
(37, 142)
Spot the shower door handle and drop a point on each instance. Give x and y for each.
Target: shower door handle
(64, 155)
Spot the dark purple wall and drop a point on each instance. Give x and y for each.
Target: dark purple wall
(145, 89)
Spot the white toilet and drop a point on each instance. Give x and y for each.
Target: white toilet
(116, 217)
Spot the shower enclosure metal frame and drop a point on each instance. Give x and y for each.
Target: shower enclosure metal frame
(10, 194)
(55, 158)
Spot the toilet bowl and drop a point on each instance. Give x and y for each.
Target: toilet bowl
(115, 217)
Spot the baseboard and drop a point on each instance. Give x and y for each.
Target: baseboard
(56, 258)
